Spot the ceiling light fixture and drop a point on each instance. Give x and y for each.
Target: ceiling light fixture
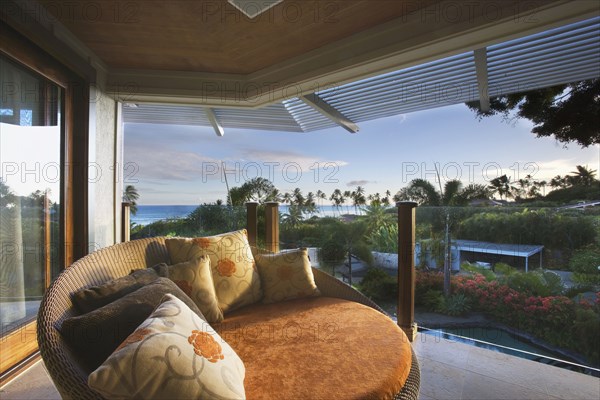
(252, 8)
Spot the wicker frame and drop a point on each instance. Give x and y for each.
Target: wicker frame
(116, 261)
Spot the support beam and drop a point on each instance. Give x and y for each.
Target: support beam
(252, 222)
(125, 222)
(481, 69)
(272, 226)
(214, 122)
(406, 268)
(330, 112)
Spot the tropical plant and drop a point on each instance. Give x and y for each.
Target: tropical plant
(585, 265)
(257, 189)
(384, 239)
(131, 196)
(377, 216)
(293, 218)
(455, 305)
(583, 176)
(425, 194)
(379, 285)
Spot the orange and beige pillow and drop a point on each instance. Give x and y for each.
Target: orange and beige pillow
(286, 275)
(233, 270)
(194, 278)
(172, 355)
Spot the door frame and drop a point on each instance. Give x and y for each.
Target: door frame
(19, 346)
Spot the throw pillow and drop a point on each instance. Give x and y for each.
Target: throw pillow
(232, 265)
(94, 297)
(95, 335)
(195, 279)
(286, 275)
(172, 355)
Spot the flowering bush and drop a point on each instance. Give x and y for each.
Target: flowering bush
(555, 319)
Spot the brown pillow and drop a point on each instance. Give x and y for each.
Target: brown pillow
(285, 276)
(195, 279)
(95, 335)
(94, 297)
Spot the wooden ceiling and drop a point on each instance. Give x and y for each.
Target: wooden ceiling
(213, 36)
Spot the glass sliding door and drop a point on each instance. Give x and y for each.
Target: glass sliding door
(31, 139)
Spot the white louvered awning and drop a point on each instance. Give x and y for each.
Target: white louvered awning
(561, 55)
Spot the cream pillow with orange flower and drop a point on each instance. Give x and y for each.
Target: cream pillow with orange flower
(286, 275)
(232, 265)
(194, 278)
(173, 354)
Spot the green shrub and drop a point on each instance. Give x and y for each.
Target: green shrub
(433, 300)
(552, 229)
(504, 269)
(474, 269)
(378, 285)
(536, 283)
(584, 264)
(585, 329)
(455, 305)
(578, 289)
(384, 239)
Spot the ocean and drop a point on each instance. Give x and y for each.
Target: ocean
(147, 214)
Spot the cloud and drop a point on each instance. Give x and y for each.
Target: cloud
(362, 182)
(167, 164)
(281, 159)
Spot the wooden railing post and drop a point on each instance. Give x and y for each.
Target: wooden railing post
(252, 222)
(125, 222)
(406, 268)
(272, 226)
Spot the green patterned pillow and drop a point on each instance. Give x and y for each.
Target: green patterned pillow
(92, 298)
(172, 355)
(194, 278)
(232, 265)
(286, 275)
(96, 334)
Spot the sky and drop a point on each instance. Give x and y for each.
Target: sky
(183, 165)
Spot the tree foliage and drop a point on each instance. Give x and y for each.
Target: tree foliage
(131, 196)
(569, 113)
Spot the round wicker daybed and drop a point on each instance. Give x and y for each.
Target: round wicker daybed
(339, 345)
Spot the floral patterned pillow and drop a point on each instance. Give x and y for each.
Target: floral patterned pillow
(172, 355)
(286, 275)
(232, 265)
(194, 278)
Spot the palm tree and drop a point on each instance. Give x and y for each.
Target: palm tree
(584, 176)
(337, 199)
(131, 196)
(376, 217)
(297, 197)
(286, 198)
(347, 195)
(558, 182)
(453, 194)
(320, 197)
(293, 217)
(501, 185)
(309, 206)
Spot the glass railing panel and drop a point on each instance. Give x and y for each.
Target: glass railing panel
(186, 221)
(530, 272)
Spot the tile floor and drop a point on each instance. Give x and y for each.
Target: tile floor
(449, 370)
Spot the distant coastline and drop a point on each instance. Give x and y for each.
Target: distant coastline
(148, 214)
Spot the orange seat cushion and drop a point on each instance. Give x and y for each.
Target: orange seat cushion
(318, 348)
